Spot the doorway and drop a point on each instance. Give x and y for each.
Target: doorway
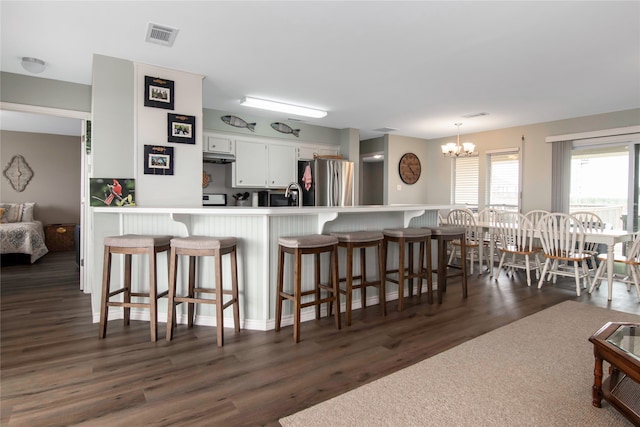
(56, 127)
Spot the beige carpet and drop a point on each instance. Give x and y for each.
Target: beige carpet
(537, 371)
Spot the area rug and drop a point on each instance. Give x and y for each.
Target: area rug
(537, 371)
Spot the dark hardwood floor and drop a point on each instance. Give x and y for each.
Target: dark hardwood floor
(55, 370)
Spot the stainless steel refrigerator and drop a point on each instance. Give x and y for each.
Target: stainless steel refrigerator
(326, 182)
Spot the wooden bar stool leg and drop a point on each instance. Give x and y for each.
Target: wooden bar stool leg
(279, 297)
(316, 284)
(153, 300)
(382, 292)
(411, 272)
(401, 275)
(191, 290)
(429, 273)
(333, 265)
(234, 289)
(363, 277)
(442, 267)
(171, 312)
(349, 284)
(297, 272)
(127, 288)
(219, 299)
(463, 247)
(106, 284)
(420, 268)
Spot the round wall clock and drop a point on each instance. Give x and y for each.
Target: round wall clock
(409, 168)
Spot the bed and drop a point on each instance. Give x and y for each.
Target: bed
(20, 233)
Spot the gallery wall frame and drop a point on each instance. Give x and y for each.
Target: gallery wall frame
(158, 160)
(158, 93)
(181, 128)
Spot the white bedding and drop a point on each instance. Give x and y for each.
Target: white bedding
(23, 238)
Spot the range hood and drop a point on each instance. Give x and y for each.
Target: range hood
(218, 158)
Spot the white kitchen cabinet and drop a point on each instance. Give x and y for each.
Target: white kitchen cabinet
(328, 151)
(263, 165)
(310, 152)
(250, 167)
(306, 152)
(218, 144)
(281, 165)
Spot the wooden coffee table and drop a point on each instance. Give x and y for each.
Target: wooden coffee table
(619, 345)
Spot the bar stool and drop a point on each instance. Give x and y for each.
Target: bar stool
(314, 244)
(362, 240)
(202, 246)
(443, 235)
(409, 236)
(132, 244)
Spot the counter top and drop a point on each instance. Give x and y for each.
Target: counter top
(248, 210)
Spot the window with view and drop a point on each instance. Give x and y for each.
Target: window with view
(503, 180)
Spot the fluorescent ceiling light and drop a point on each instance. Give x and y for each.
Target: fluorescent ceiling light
(283, 108)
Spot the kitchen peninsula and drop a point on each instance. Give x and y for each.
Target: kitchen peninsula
(257, 230)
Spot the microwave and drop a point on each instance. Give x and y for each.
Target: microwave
(214, 199)
(277, 199)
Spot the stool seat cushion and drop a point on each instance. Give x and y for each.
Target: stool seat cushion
(137, 241)
(407, 232)
(447, 230)
(308, 241)
(358, 236)
(203, 242)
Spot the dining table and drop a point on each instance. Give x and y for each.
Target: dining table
(608, 237)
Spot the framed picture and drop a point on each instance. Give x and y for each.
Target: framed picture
(158, 93)
(115, 192)
(158, 160)
(181, 128)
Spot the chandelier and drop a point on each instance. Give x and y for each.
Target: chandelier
(455, 150)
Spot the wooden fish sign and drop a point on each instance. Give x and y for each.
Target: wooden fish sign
(238, 122)
(284, 128)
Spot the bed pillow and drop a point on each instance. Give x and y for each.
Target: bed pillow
(17, 212)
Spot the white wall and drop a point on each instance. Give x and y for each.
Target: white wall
(55, 186)
(536, 181)
(397, 191)
(184, 187)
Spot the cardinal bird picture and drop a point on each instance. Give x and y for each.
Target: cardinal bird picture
(112, 192)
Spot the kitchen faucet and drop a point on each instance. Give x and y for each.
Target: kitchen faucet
(298, 189)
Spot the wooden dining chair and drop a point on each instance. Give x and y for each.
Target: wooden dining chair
(632, 276)
(562, 239)
(515, 245)
(591, 223)
(465, 218)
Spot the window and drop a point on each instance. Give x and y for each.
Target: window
(503, 180)
(466, 184)
(600, 181)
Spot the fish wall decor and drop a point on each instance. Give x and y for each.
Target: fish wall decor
(238, 122)
(284, 128)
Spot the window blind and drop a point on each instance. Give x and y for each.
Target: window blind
(467, 171)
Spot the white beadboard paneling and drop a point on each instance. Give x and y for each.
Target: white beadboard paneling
(257, 231)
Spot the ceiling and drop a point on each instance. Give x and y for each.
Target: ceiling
(418, 67)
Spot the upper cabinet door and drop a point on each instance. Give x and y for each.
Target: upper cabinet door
(216, 144)
(282, 165)
(250, 166)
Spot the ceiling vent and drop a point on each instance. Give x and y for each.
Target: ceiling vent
(469, 116)
(161, 34)
(385, 130)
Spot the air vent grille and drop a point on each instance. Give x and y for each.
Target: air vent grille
(161, 34)
(469, 116)
(385, 130)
